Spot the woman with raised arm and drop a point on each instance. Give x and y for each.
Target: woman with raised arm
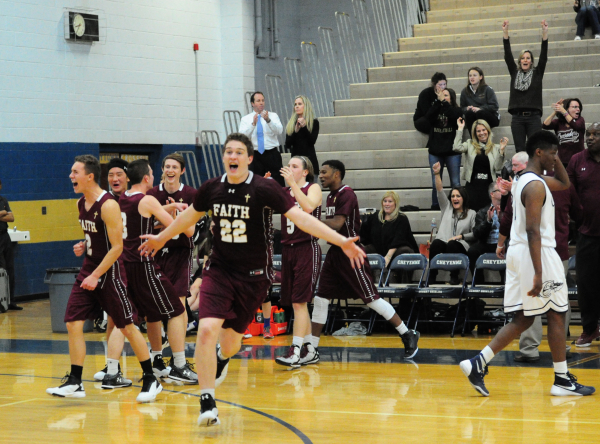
(478, 100)
(300, 259)
(302, 131)
(456, 227)
(569, 126)
(483, 161)
(525, 100)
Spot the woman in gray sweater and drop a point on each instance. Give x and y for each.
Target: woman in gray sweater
(455, 233)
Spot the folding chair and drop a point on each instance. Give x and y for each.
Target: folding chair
(403, 263)
(487, 261)
(446, 262)
(377, 263)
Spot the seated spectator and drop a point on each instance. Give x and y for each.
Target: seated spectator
(483, 160)
(455, 231)
(302, 131)
(588, 13)
(443, 116)
(387, 232)
(426, 99)
(478, 101)
(486, 230)
(569, 126)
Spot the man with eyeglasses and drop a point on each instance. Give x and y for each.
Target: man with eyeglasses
(486, 230)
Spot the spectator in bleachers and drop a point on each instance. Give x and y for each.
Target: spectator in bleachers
(427, 97)
(588, 13)
(455, 231)
(483, 160)
(302, 131)
(569, 126)
(478, 101)
(584, 174)
(387, 232)
(263, 128)
(510, 170)
(525, 99)
(486, 230)
(443, 117)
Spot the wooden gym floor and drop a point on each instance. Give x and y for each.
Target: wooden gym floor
(361, 392)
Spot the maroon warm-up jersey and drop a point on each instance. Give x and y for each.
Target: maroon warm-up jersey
(344, 202)
(96, 236)
(243, 232)
(134, 225)
(185, 194)
(290, 233)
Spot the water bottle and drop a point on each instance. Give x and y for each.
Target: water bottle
(259, 316)
(433, 226)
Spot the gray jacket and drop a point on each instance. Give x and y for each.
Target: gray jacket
(464, 226)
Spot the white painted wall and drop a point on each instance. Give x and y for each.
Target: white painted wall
(137, 84)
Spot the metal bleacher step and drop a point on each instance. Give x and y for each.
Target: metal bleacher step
(437, 5)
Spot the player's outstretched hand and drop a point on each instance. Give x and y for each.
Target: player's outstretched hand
(79, 248)
(537, 286)
(90, 282)
(354, 252)
(151, 246)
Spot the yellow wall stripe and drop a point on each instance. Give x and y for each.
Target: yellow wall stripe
(60, 223)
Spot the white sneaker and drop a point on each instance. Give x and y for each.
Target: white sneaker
(71, 388)
(291, 358)
(578, 38)
(150, 388)
(309, 355)
(247, 334)
(597, 36)
(100, 375)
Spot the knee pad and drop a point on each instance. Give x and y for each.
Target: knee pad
(320, 308)
(384, 308)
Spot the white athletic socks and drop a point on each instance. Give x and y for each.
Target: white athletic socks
(487, 354)
(560, 368)
(297, 341)
(210, 392)
(154, 354)
(112, 366)
(179, 359)
(314, 340)
(402, 328)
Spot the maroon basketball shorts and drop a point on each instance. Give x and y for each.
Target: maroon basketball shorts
(176, 264)
(152, 292)
(109, 295)
(300, 267)
(223, 295)
(339, 280)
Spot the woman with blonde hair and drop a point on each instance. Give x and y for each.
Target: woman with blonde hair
(302, 131)
(483, 161)
(387, 232)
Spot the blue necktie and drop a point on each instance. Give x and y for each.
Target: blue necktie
(260, 136)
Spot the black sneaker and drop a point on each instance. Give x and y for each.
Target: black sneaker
(410, 339)
(183, 374)
(143, 327)
(159, 368)
(99, 376)
(475, 370)
(115, 381)
(71, 387)
(209, 414)
(150, 388)
(221, 368)
(569, 387)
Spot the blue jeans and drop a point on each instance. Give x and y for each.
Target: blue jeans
(452, 165)
(587, 15)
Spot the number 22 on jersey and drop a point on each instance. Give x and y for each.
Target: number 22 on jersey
(239, 231)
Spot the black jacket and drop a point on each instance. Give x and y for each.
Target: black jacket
(482, 227)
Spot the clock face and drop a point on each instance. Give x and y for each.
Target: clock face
(78, 25)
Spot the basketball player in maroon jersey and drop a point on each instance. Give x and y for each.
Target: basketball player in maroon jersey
(237, 276)
(175, 259)
(150, 289)
(338, 279)
(301, 257)
(101, 281)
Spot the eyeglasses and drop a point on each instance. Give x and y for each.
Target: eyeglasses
(493, 191)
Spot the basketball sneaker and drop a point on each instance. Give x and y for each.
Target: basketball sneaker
(267, 334)
(291, 358)
(247, 334)
(222, 365)
(569, 387)
(184, 373)
(209, 414)
(309, 355)
(410, 339)
(71, 387)
(475, 370)
(150, 388)
(115, 381)
(159, 368)
(99, 376)
(585, 340)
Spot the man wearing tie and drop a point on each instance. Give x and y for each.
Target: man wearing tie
(263, 127)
